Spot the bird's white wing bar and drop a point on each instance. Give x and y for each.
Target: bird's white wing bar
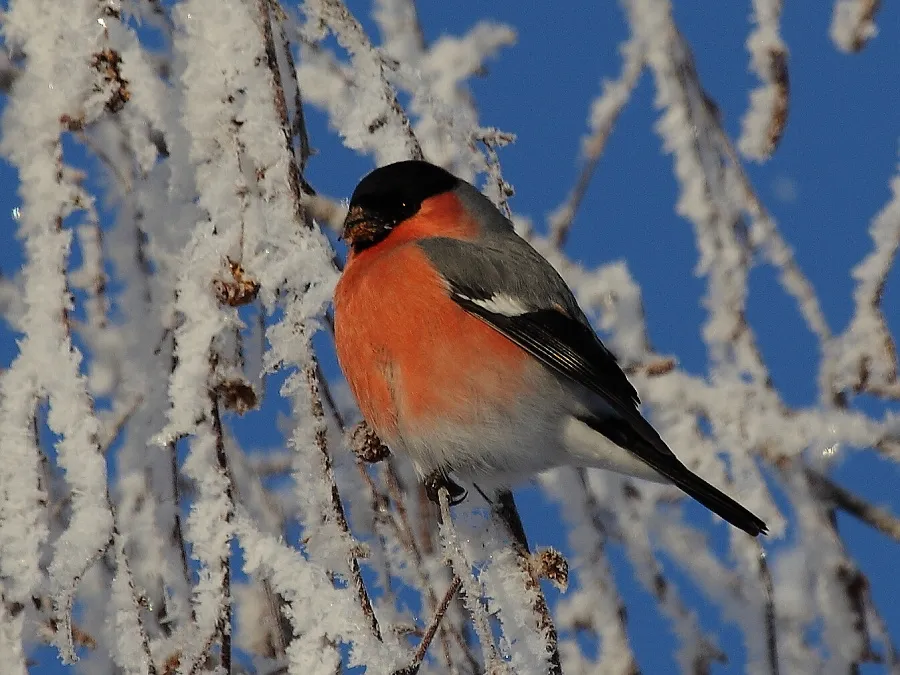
(500, 303)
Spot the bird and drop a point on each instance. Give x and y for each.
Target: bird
(468, 353)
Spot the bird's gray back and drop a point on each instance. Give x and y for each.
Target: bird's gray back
(500, 262)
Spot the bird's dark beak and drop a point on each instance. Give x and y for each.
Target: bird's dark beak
(364, 227)
(355, 217)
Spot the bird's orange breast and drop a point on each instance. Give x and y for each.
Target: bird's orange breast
(412, 357)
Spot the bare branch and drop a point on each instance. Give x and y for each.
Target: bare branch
(605, 111)
(419, 655)
(765, 576)
(881, 519)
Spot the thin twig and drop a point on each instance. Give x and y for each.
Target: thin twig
(225, 627)
(113, 430)
(765, 576)
(9, 72)
(295, 179)
(767, 237)
(123, 567)
(492, 139)
(406, 534)
(615, 95)
(282, 633)
(601, 567)
(318, 413)
(881, 519)
(48, 625)
(471, 587)
(854, 23)
(766, 119)
(352, 37)
(666, 593)
(505, 509)
(298, 127)
(419, 655)
(172, 451)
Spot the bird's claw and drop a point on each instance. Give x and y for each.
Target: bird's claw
(435, 481)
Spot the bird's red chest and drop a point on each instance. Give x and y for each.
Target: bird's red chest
(412, 357)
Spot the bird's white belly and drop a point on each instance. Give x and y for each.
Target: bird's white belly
(506, 446)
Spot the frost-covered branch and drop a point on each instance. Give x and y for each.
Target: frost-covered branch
(602, 610)
(853, 23)
(48, 364)
(506, 512)
(383, 126)
(605, 110)
(864, 358)
(764, 123)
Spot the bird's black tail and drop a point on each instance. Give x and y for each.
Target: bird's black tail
(646, 444)
(714, 499)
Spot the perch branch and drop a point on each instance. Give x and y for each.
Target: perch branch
(506, 511)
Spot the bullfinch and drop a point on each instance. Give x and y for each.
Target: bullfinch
(468, 353)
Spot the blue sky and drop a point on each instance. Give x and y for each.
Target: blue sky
(828, 178)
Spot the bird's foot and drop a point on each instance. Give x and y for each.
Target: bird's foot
(438, 479)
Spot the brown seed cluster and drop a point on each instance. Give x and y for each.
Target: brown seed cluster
(241, 289)
(550, 564)
(238, 395)
(108, 63)
(366, 445)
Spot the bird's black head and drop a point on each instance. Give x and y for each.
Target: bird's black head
(388, 196)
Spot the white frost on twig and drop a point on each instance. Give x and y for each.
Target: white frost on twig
(193, 120)
(596, 603)
(853, 23)
(371, 121)
(11, 638)
(212, 81)
(132, 648)
(48, 364)
(763, 124)
(865, 355)
(472, 591)
(209, 531)
(605, 110)
(318, 612)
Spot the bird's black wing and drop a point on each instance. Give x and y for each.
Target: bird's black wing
(518, 293)
(571, 349)
(562, 343)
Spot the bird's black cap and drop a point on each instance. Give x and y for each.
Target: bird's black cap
(412, 181)
(388, 196)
